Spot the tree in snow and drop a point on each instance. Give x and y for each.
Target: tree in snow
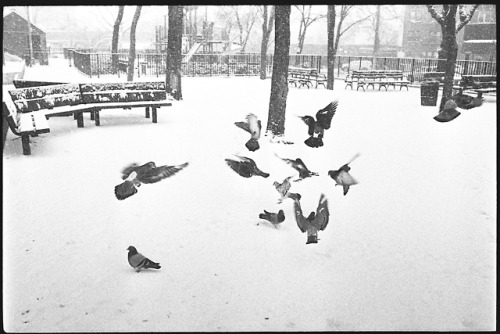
(174, 52)
(449, 48)
(131, 51)
(279, 80)
(114, 42)
(306, 19)
(267, 27)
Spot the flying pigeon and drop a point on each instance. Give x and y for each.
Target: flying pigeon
(134, 175)
(246, 167)
(342, 176)
(315, 221)
(252, 126)
(316, 128)
(299, 165)
(460, 100)
(139, 261)
(273, 218)
(283, 188)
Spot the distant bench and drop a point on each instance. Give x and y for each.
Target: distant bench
(382, 78)
(306, 77)
(477, 83)
(42, 102)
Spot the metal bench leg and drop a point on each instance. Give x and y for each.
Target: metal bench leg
(92, 115)
(97, 118)
(155, 116)
(25, 139)
(79, 119)
(147, 112)
(479, 94)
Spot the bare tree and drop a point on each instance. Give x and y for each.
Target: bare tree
(334, 38)
(267, 27)
(449, 48)
(131, 52)
(279, 80)
(116, 36)
(174, 52)
(376, 40)
(244, 22)
(307, 18)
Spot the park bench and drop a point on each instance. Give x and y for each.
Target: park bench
(21, 83)
(477, 83)
(382, 78)
(306, 77)
(42, 102)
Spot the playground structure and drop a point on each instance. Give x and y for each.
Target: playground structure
(195, 43)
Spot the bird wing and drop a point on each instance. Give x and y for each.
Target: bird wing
(254, 125)
(322, 213)
(136, 259)
(299, 217)
(125, 190)
(243, 125)
(344, 168)
(324, 116)
(245, 159)
(129, 169)
(346, 179)
(450, 105)
(235, 165)
(159, 173)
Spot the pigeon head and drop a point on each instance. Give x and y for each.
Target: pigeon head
(333, 173)
(132, 249)
(311, 217)
(252, 145)
(281, 216)
(295, 196)
(276, 183)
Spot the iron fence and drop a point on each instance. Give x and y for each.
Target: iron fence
(248, 64)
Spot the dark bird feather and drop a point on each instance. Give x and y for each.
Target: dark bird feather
(316, 221)
(139, 261)
(245, 167)
(273, 218)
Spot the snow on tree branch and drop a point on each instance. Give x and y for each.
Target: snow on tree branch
(464, 16)
(435, 15)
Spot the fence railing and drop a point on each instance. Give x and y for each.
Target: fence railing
(248, 64)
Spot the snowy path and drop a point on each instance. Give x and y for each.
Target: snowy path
(411, 247)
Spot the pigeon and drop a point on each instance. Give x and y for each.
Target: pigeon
(315, 221)
(299, 165)
(316, 128)
(342, 176)
(283, 188)
(460, 100)
(134, 175)
(273, 218)
(252, 126)
(246, 167)
(139, 261)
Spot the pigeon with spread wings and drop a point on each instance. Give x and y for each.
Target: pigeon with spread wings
(316, 128)
(134, 175)
(316, 221)
(342, 176)
(245, 167)
(460, 100)
(300, 167)
(252, 126)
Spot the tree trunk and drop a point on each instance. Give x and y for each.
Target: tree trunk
(330, 27)
(267, 26)
(174, 52)
(279, 80)
(449, 51)
(114, 42)
(376, 42)
(131, 52)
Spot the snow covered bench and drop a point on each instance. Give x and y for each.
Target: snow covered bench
(125, 95)
(21, 83)
(477, 83)
(24, 124)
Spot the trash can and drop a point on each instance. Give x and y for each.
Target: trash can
(429, 93)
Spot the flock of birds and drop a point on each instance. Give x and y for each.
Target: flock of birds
(134, 174)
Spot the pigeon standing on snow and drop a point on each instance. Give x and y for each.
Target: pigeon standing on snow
(299, 166)
(316, 128)
(273, 218)
(139, 261)
(252, 126)
(315, 221)
(342, 176)
(134, 175)
(460, 100)
(246, 167)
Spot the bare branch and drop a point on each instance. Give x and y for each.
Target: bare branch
(435, 15)
(464, 17)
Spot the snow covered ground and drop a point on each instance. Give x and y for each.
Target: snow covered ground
(411, 247)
